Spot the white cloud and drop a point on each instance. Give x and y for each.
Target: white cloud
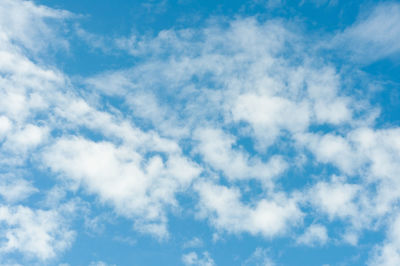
(268, 115)
(27, 89)
(198, 92)
(100, 263)
(239, 80)
(260, 257)
(192, 258)
(375, 35)
(222, 206)
(351, 237)
(14, 189)
(17, 18)
(193, 243)
(315, 234)
(227, 82)
(330, 148)
(371, 154)
(40, 234)
(136, 186)
(28, 137)
(5, 126)
(335, 198)
(216, 148)
(388, 253)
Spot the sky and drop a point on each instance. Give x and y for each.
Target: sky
(183, 132)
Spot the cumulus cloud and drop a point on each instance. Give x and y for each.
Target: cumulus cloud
(36, 233)
(241, 88)
(216, 148)
(315, 234)
(137, 187)
(29, 89)
(14, 189)
(335, 198)
(267, 217)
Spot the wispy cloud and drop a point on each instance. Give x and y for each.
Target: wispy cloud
(374, 35)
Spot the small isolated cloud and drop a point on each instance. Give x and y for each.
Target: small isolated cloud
(100, 263)
(193, 259)
(125, 240)
(260, 257)
(193, 243)
(315, 234)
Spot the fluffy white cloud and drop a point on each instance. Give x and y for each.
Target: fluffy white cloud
(335, 198)
(26, 88)
(216, 148)
(227, 82)
(330, 148)
(5, 126)
(371, 154)
(35, 233)
(138, 187)
(267, 217)
(315, 234)
(14, 189)
(268, 115)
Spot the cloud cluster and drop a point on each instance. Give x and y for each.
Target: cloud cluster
(220, 113)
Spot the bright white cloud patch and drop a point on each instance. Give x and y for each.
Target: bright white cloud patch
(136, 187)
(14, 189)
(36, 233)
(268, 217)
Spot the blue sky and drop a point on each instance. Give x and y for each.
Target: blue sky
(199, 132)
